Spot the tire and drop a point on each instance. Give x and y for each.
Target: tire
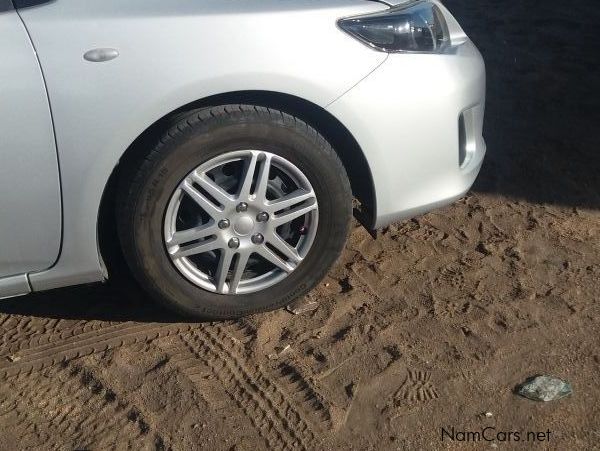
(146, 192)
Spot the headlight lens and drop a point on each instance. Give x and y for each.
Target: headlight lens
(417, 26)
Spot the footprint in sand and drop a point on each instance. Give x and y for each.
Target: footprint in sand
(417, 387)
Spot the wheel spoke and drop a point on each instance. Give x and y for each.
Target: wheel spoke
(291, 253)
(210, 208)
(248, 176)
(213, 189)
(290, 215)
(238, 271)
(262, 182)
(223, 270)
(272, 257)
(194, 249)
(290, 200)
(196, 233)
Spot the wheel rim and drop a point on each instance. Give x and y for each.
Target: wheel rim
(241, 222)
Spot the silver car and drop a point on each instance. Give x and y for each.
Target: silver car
(230, 136)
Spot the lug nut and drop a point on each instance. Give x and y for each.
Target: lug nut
(263, 216)
(224, 223)
(243, 206)
(258, 238)
(234, 243)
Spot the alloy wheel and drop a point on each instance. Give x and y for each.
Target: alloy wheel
(241, 222)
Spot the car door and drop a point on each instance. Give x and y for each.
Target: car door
(30, 209)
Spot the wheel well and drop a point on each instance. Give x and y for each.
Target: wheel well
(324, 122)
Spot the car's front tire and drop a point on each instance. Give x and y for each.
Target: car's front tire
(238, 209)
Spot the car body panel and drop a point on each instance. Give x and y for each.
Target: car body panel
(411, 138)
(166, 62)
(14, 286)
(30, 208)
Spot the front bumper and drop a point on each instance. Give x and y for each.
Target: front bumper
(418, 119)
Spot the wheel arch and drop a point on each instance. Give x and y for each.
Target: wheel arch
(340, 138)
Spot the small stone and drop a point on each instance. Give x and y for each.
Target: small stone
(302, 306)
(544, 388)
(489, 414)
(13, 358)
(279, 352)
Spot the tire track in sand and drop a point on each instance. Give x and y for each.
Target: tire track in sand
(40, 353)
(80, 412)
(277, 419)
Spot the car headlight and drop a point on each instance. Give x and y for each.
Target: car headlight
(416, 26)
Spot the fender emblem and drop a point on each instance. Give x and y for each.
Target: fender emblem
(100, 55)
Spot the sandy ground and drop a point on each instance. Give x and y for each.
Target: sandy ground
(429, 326)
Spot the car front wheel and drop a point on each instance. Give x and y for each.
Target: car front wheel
(238, 209)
